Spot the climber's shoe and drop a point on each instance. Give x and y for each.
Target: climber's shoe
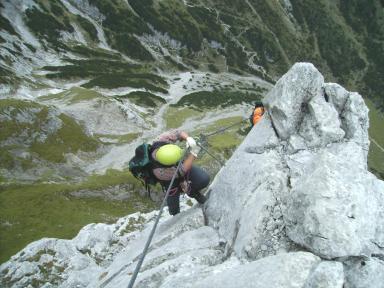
(200, 198)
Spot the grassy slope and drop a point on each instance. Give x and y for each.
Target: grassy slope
(108, 73)
(213, 99)
(376, 132)
(31, 212)
(73, 95)
(142, 98)
(175, 117)
(69, 138)
(324, 32)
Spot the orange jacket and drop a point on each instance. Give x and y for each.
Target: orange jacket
(257, 115)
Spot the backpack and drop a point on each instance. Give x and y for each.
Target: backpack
(142, 164)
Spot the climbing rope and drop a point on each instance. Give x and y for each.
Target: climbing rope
(377, 144)
(221, 130)
(202, 140)
(149, 240)
(210, 154)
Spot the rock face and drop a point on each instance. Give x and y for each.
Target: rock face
(294, 207)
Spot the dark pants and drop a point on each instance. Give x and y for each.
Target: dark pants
(199, 180)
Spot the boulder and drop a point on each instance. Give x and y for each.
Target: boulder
(328, 274)
(320, 125)
(247, 213)
(286, 270)
(362, 273)
(286, 102)
(332, 209)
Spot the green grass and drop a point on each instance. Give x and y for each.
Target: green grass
(6, 25)
(121, 139)
(120, 25)
(10, 128)
(125, 80)
(109, 74)
(213, 99)
(92, 67)
(73, 95)
(8, 76)
(376, 156)
(207, 22)
(47, 210)
(88, 27)
(172, 17)
(175, 117)
(7, 160)
(131, 46)
(223, 144)
(47, 26)
(70, 138)
(225, 122)
(94, 52)
(143, 98)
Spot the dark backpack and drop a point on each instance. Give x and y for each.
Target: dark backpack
(142, 164)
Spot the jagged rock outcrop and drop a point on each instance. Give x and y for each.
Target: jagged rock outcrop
(294, 207)
(328, 201)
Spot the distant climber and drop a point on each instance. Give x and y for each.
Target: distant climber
(190, 179)
(257, 113)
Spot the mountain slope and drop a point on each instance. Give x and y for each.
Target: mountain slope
(118, 73)
(255, 36)
(295, 206)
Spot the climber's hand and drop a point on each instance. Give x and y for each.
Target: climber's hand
(192, 145)
(190, 142)
(183, 135)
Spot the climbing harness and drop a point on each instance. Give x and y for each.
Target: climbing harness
(145, 250)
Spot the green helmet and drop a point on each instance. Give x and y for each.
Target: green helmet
(169, 154)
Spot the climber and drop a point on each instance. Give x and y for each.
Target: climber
(190, 179)
(257, 113)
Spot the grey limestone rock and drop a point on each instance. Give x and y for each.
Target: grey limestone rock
(355, 120)
(243, 211)
(321, 125)
(285, 101)
(336, 95)
(362, 273)
(286, 270)
(328, 274)
(332, 208)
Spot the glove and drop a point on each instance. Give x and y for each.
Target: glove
(190, 142)
(195, 151)
(193, 148)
